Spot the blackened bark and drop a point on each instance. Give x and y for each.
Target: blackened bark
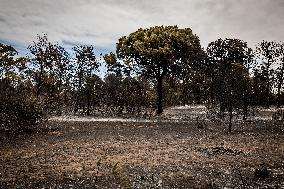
(245, 112)
(39, 84)
(160, 95)
(88, 107)
(79, 92)
(231, 117)
(280, 83)
(245, 107)
(88, 102)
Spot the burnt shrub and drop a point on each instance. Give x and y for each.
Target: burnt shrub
(262, 173)
(20, 114)
(19, 111)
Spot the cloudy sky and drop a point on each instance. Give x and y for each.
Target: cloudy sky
(102, 22)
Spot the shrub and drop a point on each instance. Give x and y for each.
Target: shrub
(20, 113)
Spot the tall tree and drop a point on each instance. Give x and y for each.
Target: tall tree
(60, 69)
(17, 109)
(156, 52)
(267, 54)
(7, 69)
(49, 70)
(7, 60)
(229, 60)
(11, 68)
(280, 73)
(86, 66)
(40, 61)
(194, 77)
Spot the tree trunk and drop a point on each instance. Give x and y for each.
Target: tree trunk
(279, 87)
(183, 93)
(279, 99)
(58, 96)
(39, 84)
(79, 94)
(160, 95)
(231, 117)
(245, 107)
(245, 112)
(198, 96)
(268, 85)
(230, 108)
(88, 102)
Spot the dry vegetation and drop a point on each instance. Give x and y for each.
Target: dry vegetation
(153, 68)
(192, 154)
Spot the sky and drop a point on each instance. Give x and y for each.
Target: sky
(102, 22)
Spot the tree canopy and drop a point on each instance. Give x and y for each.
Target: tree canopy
(230, 60)
(157, 51)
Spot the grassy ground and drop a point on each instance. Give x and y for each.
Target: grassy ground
(196, 154)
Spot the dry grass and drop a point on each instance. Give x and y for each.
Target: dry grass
(164, 155)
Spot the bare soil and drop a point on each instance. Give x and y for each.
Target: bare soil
(192, 154)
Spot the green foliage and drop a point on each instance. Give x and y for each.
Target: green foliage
(156, 52)
(172, 91)
(7, 61)
(113, 65)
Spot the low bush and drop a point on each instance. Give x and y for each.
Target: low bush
(20, 113)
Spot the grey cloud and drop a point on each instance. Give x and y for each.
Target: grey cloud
(101, 22)
(68, 43)
(2, 19)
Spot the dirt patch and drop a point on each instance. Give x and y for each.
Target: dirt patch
(142, 155)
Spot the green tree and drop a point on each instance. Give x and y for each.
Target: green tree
(7, 54)
(112, 64)
(8, 62)
(156, 52)
(11, 68)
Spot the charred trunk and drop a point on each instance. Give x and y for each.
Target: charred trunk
(160, 95)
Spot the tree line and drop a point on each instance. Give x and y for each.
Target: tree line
(151, 68)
